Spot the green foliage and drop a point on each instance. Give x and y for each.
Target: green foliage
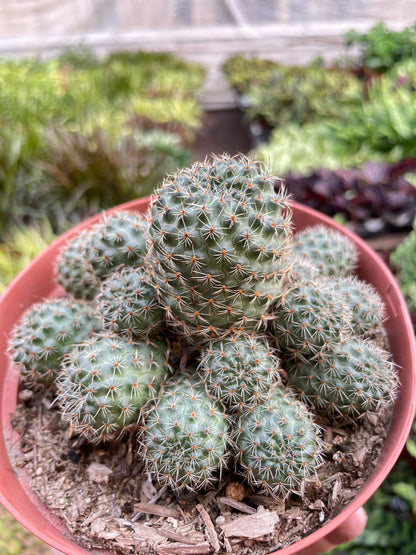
(105, 382)
(80, 133)
(381, 127)
(186, 436)
(278, 446)
(218, 236)
(404, 258)
(279, 95)
(16, 540)
(20, 247)
(381, 48)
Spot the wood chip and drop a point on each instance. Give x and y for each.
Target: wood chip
(168, 533)
(242, 507)
(183, 549)
(210, 528)
(148, 533)
(252, 526)
(159, 510)
(98, 472)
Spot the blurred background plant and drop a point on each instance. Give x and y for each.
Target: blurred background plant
(79, 134)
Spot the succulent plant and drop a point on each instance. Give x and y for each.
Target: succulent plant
(74, 271)
(106, 381)
(46, 331)
(218, 234)
(367, 307)
(240, 371)
(128, 303)
(355, 379)
(312, 317)
(277, 444)
(186, 436)
(333, 253)
(301, 269)
(119, 239)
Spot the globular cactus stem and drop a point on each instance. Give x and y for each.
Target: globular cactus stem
(186, 436)
(107, 380)
(278, 446)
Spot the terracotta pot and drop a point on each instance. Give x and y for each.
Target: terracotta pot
(37, 282)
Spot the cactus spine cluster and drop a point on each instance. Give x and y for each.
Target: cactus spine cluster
(312, 317)
(333, 253)
(256, 311)
(106, 381)
(218, 237)
(116, 240)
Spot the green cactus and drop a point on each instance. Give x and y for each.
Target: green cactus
(74, 271)
(329, 250)
(355, 379)
(240, 371)
(46, 332)
(277, 445)
(186, 436)
(106, 381)
(218, 233)
(312, 317)
(367, 307)
(118, 239)
(301, 269)
(128, 303)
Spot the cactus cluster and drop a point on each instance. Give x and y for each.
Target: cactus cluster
(274, 328)
(356, 378)
(117, 240)
(239, 371)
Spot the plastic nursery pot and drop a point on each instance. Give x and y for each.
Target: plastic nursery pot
(37, 282)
